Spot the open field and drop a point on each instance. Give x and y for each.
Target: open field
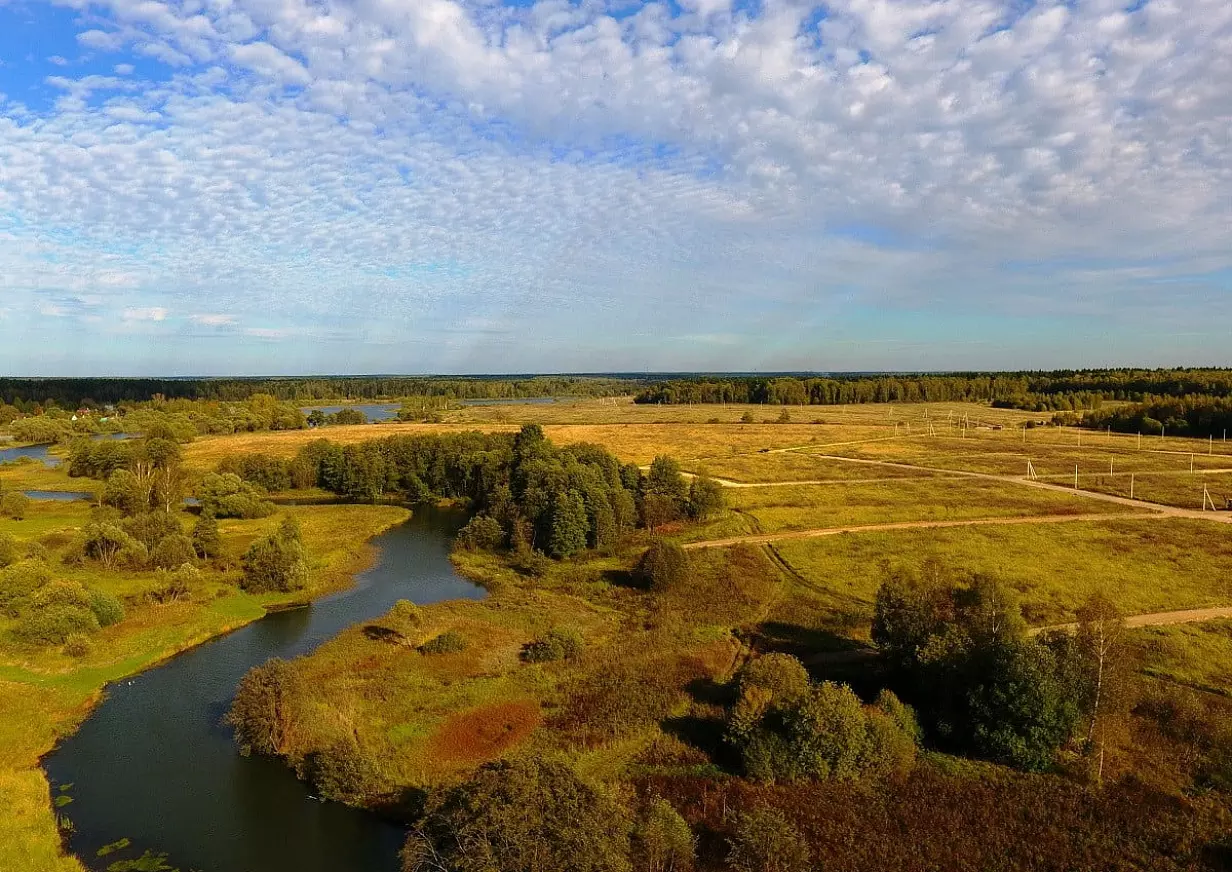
(1143, 564)
(1195, 655)
(44, 692)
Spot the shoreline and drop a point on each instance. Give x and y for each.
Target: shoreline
(336, 579)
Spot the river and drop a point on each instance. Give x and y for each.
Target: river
(154, 764)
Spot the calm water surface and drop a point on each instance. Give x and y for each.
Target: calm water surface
(154, 764)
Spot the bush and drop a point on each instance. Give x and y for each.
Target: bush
(107, 609)
(54, 624)
(342, 772)
(173, 552)
(276, 563)
(110, 545)
(150, 528)
(562, 643)
(705, 497)
(15, 505)
(8, 549)
(78, 645)
(822, 732)
(520, 815)
(124, 491)
(482, 533)
(665, 565)
(662, 840)
(765, 840)
(263, 709)
(449, 642)
(18, 582)
(229, 496)
(177, 585)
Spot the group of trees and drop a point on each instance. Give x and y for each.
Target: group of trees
(29, 394)
(787, 728)
(344, 416)
(1038, 391)
(960, 653)
(525, 492)
(47, 610)
(1194, 415)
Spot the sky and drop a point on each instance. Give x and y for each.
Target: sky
(221, 187)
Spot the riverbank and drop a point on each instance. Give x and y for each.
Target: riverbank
(45, 696)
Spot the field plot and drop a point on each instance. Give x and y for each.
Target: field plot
(1181, 489)
(1143, 564)
(795, 466)
(805, 507)
(1000, 453)
(1196, 655)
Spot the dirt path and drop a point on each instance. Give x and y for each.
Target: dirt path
(1159, 619)
(766, 538)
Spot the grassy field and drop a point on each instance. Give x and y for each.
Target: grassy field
(1145, 565)
(429, 718)
(44, 692)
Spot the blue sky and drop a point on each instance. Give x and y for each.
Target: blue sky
(289, 186)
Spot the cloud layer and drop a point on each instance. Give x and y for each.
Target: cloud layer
(283, 185)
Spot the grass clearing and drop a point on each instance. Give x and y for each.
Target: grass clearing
(1195, 655)
(1145, 565)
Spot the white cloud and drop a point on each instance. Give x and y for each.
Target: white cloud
(207, 320)
(151, 313)
(458, 162)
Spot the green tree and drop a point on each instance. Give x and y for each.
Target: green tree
(662, 840)
(665, 480)
(15, 505)
(277, 562)
(520, 815)
(765, 840)
(663, 566)
(173, 551)
(206, 539)
(264, 707)
(705, 497)
(110, 545)
(1019, 709)
(569, 525)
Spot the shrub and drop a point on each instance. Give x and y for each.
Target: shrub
(110, 545)
(764, 840)
(449, 642)
(229, 496)
(173, 551)
(662, 840)
(520, 815)
(78, 645)
(8, 549)
(664, 565)
(342, 772)
(482, 533)
(37, 551)
(824, 732)
(18, 582)
(747, 418)
(124, 491)
(562, 643)
(176, 585)
(107, 609)
(276, 563)
(54, 624)
(150, 528)
(263, 709)
(15, 505)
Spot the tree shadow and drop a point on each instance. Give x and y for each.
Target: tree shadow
(705, 734)
(377, 633)
(622, 578)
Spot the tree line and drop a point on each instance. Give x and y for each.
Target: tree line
(95, 392)
(1037, 391)
(1197, 416)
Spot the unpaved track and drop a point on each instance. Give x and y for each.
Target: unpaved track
(817, 533)
(1159, 619)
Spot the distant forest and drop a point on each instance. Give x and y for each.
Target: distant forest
(1062, 390)
(74, 392)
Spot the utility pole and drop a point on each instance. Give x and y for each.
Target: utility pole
(1131, 485)
(1075, 476)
